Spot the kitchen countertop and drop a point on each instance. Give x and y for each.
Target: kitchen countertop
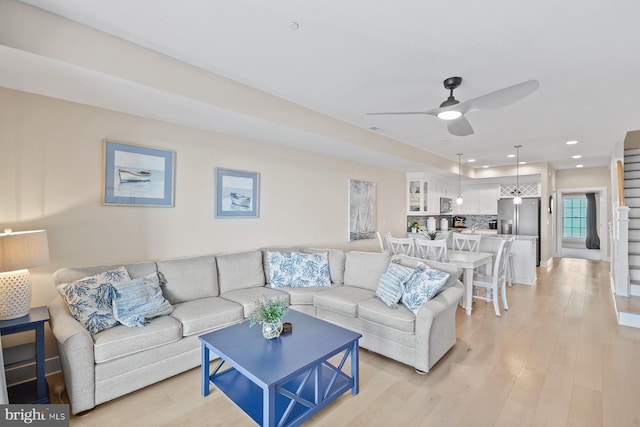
(485, 233)
(493, 234)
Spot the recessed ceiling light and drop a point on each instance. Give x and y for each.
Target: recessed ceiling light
(511, 155)
(522, 163)
(577, 156)
(293, 25)
(485, 166)
(578, 166)
(471, 160)
(572, 142)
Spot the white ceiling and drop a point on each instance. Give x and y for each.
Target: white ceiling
(350, 58)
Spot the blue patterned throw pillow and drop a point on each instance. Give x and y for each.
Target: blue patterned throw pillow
(392, 282)
(423, 285)
(89, 299)
(136, 301)
(298, 270)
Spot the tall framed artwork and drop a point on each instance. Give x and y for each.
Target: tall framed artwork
(134, 175)
(237, 193)
(362, 210)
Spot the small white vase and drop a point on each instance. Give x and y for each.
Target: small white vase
(271, 330)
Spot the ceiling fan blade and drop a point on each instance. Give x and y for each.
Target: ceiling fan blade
(397, 112)
(500, 98)
(460, 127)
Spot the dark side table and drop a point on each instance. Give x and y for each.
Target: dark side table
(35, 391)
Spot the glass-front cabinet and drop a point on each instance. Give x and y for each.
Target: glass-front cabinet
(417, 197)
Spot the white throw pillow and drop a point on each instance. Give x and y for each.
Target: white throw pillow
(392, 282)
(298, 270)
(89, 299)
(138, 300)
(423, 285)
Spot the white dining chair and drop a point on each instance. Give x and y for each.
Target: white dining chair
(431, 249)
(511, 272)
(382, 240)
(401, 245)
(487, 286)
(466, 242)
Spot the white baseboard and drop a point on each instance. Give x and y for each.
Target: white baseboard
(629, 319)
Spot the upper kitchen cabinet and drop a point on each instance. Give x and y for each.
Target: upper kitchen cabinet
(479, 199)
(417, 197)
(424, 193)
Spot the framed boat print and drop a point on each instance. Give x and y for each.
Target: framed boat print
(137, 176)
(236, 193)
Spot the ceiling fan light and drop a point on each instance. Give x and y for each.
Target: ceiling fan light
(459, 201)
(449, 115)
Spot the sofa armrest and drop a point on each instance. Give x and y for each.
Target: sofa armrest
(436, 326)
(75, 347)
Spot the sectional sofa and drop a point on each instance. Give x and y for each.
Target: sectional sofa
(214, 291)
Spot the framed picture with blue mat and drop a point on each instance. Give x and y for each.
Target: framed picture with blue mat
(137, 176)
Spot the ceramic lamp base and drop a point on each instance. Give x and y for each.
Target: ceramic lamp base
(15, 294)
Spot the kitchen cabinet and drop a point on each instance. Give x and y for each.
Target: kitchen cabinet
(423, 194)
(479, 199)
(417, 197)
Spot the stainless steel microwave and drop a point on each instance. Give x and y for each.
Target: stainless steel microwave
(446, 205)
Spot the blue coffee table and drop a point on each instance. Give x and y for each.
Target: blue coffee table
(283, 381)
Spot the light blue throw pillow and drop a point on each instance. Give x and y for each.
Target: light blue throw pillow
(89, 299)
(138, 300)
(298, 270)
(392, 282)
(422, 285)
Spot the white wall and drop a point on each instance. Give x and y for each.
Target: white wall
(51, 170)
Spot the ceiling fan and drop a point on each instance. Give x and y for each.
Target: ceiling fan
(453, 110)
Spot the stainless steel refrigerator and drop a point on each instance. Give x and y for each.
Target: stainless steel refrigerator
(521, 219)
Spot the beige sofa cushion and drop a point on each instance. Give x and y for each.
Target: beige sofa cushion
(364, 269)
(189, 278)
(240, 270)
(122, 341)
(304, 296)
(68, 275)
(376, 311)
(205, 314)
(247, 298)
(343, 299)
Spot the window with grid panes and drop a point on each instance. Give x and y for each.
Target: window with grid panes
(575, 217)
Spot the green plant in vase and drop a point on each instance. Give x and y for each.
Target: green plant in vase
(432, 235)
(269, 312)
(414, 226)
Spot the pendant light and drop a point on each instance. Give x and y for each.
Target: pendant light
(459, 200)
(517, 200)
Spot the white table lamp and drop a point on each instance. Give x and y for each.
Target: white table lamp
(18, 252)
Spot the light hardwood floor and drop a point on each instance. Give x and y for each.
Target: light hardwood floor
(556, 358)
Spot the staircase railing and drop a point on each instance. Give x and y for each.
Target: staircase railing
(620, 170)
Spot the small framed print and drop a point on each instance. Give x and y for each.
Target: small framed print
(137, 176)
(237, 193)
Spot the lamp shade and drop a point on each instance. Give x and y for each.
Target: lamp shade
(24, 249)
(18, 252)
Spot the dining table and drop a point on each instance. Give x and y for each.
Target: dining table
(469, 261)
